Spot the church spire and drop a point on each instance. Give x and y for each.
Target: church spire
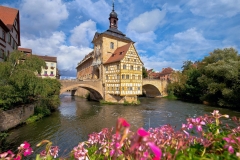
(113, 20)
(113, 6)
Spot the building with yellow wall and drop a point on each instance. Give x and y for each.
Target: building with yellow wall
(115, 62)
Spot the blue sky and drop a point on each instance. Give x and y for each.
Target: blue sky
(166, 32)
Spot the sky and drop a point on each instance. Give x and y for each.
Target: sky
(166, 32)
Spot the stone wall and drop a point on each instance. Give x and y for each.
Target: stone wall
(120, 99)
(14, 117)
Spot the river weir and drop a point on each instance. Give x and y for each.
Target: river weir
(76, 118)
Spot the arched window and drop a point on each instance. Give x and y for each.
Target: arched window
(118, 66)
(106, 68)
(138, 68)
(133, 76)
(131, 67)
(118, 76)
(106, 77)
(111, 45)
(124, 66)
(139, 77)
(127, 76)
(123, 76)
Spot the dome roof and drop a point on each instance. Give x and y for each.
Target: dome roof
(113, 14)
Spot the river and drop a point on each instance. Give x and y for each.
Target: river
(76, 118)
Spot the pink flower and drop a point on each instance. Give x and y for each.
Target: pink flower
(199, 128)
(3, 155)
(54, 151)
(18, 158)
(157, 152)
(230, 149)
(141, 132)
(27, 152)
(26, 145)
(123, 122)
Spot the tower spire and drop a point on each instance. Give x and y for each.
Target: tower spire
(113, 20)
(113, 5)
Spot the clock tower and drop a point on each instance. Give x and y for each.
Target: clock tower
(113, 20)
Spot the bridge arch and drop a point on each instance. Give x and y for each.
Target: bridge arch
(151, 90)
(93, 90)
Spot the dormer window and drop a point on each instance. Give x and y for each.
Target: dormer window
(111, 45)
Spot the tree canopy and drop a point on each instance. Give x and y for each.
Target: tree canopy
(215, 79)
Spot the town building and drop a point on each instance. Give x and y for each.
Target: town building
(50, 71)
(26, 51)
(115, 62)
(165, 74)
(9, 31)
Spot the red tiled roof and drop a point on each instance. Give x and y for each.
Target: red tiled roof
(48, 58)
(27, 50)
(166, 71)
(119, 54)
(8, 15)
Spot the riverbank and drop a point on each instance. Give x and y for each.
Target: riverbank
(11, 118)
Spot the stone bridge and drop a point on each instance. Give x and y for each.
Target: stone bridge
(95, 87)
(151, 87)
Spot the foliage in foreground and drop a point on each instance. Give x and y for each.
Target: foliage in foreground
(215, 79)
(204, 137)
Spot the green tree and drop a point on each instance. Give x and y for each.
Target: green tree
(187, 65)
(144, 72)
(220, 77)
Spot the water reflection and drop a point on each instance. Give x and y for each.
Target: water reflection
(77, 118)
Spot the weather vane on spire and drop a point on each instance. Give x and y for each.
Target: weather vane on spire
(113, 5)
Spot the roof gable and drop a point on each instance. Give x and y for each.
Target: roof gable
(132, 47)
(118, 54)
(8, 16)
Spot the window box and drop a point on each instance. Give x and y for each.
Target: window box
(51, 74)
(45, 75)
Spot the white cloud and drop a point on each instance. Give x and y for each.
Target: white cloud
(42, 16)
(172, 8)
(83, 33)
(147, 21)
(98, 10)
(189, 44)
(191, 35)
(157, 63)
(148, 37)
(213, 8)
(54, 45)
